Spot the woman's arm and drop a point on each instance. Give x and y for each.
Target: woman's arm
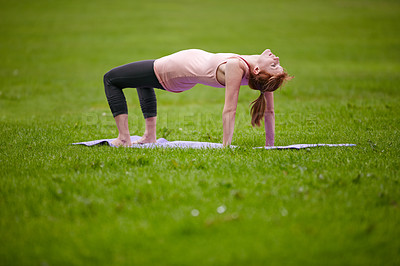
(269, 119)
(233, 76)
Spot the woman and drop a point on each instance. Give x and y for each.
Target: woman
(183, 70)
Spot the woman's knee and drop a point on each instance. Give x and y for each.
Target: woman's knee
(107, 77)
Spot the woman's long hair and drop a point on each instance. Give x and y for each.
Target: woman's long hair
(263, 82)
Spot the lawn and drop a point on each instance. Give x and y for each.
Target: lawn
(71, 205)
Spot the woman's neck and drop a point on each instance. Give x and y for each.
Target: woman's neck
(251, 59)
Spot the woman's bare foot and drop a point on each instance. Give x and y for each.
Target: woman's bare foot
(144, 140)
(120, 141)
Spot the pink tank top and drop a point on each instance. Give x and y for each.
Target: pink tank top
(181, 71)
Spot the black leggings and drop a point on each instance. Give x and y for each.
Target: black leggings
(139, 75)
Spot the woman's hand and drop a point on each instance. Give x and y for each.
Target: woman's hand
(228, 122)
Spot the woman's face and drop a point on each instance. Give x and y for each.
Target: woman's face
(268, 62)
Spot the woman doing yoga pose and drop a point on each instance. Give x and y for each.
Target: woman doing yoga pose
(181, 71)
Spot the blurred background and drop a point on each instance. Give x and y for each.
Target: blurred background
(54, 53)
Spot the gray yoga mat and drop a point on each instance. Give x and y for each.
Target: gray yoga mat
(161, 142)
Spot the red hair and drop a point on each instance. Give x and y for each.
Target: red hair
(264, 82)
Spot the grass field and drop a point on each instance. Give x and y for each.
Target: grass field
(68, 205)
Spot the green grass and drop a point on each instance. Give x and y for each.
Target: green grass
(69, 205)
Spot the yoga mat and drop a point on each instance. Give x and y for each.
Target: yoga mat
(161, 142)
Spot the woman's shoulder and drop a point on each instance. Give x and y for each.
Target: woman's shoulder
(238, 61)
